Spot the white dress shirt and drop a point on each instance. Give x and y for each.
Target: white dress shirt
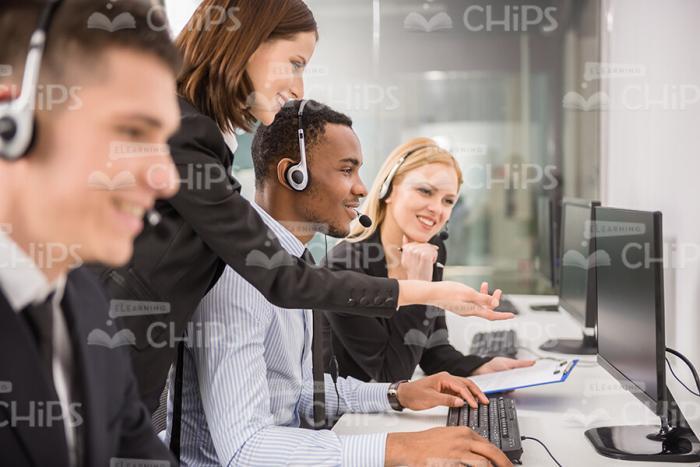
(248, 383)
(23, 284)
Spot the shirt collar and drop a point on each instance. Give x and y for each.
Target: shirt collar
(231, 141)
(21, 281)
(288, 241)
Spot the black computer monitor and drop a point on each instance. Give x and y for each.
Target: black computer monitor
(631, 341)
(545, 259)
(577, 294)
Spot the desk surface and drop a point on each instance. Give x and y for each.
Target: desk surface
(557, 414)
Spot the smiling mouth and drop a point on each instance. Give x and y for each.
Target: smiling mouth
(426, 221)
(131, 209)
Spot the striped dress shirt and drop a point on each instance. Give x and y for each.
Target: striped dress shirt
(248, 384)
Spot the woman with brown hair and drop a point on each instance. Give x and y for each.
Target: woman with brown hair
(410, 201)
(239, 68)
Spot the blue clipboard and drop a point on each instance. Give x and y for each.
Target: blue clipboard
(542, 373)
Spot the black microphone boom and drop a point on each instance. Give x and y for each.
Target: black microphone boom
(365, 220)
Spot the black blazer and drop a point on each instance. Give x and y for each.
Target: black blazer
(208, 225)
(389, 349)
(115, 424)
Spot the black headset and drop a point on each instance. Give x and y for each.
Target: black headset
(297, 175)
(386, 186)
(17, 119)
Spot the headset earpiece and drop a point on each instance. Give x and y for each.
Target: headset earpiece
(386, 186)
(17, 120)
(297, 175)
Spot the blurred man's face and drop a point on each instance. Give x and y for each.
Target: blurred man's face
(99, 161)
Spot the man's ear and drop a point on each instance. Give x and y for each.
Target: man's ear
(282, 167)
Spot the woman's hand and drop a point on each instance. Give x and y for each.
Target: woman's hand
(417, 259)
(501, 364)
(453, 296)
(462, 300)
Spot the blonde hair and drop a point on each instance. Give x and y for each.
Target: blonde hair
(423, 151)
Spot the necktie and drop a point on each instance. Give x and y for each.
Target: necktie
(317, 362)
(40, 320)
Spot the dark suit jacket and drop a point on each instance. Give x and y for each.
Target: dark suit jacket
(115, 424)
(389, 349)
(209, 225)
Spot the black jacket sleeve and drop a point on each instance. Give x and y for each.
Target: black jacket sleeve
(442, 356)
(231, 228)
(385, 350)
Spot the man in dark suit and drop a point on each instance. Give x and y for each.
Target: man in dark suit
(105, 108)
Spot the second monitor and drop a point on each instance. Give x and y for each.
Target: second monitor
(577, 294)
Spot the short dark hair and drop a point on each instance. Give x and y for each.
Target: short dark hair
(78, 31)
(279, 140)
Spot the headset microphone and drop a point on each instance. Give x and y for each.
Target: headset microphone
(444, 234)
(365, 220)
(153, 219)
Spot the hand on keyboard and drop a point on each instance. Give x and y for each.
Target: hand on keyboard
(496, 422)
(440, 389)
(443, 446)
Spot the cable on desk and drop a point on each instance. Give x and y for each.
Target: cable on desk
(523, 438)
(690, 365)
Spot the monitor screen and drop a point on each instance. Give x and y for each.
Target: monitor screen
(545, 247)
(631, 340)
(577, 287)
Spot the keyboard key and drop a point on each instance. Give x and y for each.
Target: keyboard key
(496, 422)
(496, 343)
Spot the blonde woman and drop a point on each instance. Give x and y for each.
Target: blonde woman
(410, 203)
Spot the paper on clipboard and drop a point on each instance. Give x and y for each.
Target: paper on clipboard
(542, 372)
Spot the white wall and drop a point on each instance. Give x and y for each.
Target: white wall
(179, 13)
(651, 146)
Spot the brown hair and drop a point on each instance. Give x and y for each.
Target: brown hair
(216, 53)
(423, 151)
(75, 36)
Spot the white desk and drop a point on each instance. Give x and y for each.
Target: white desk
(557, 414)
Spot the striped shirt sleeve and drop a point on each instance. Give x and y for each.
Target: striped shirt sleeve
(235, 394)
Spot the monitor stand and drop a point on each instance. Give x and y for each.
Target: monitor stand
(585, 346)
(645, 443)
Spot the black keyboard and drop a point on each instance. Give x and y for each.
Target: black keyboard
(497, 422)
(506, 306)
(495, 344)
